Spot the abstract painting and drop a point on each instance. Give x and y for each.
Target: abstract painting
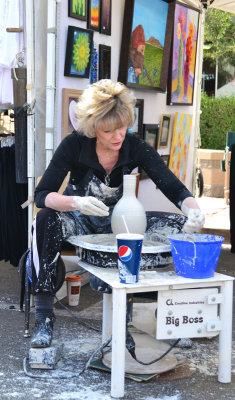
(104, 62)
(137, 127)
(165, 127)
(78, 9)
(151, 132)
(93, 21)
(183, 58)
(180, 145)
(105, 17)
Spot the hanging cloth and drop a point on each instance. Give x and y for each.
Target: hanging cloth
(9, 46)
(13, 219)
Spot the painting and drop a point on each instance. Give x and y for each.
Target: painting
(69, 99)
(137, 127)
(151, 132)
(164, 134)
(146, 43)
(105, 17)
(77, 9)
(78, 52)
(104, 62)
(183, 58)
(93, 20)
(180, 145)
(166, 158)
(94, 65)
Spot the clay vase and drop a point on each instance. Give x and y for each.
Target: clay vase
(130, 208)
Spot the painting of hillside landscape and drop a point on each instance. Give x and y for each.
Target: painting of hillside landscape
(146, 45)
(153, 59)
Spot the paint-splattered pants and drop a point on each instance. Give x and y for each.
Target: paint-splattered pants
(51, 229)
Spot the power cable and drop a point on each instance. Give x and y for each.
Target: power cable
(77, 318)
(100, 349)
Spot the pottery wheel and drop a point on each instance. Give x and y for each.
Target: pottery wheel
(153, 243)
(147, 349)
(101, 250)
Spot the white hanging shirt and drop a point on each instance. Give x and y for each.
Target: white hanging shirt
(9, 41)
(9, 46)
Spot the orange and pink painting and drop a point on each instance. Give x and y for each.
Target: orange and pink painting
(180, 145)
(181, 85)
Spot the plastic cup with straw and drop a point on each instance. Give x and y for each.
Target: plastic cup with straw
(129, 255)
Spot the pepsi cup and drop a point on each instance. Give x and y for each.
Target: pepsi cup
(129, 255)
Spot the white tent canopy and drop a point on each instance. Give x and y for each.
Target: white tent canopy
(225, 5)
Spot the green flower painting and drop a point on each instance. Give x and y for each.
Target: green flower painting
(81, 52)
(78, 52)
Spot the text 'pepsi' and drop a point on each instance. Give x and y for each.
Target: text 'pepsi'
(129, 255)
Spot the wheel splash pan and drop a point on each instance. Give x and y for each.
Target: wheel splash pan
(101, 250)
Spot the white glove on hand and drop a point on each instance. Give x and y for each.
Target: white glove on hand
(90, 206)
(195, 221)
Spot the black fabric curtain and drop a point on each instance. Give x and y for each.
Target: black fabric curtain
(13, 219)
(232, 199)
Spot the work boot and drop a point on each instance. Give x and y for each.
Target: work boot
(42, 334)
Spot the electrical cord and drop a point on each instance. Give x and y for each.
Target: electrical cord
(132, 352)
(100, 349)
(77, 318)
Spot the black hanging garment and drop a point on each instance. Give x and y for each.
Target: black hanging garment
(232, 199)
(13, 219)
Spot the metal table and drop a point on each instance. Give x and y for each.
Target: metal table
(203, 312)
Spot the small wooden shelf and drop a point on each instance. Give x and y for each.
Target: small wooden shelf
(14, 30)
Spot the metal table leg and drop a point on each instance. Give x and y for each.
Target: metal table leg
(118, 343)
(107, 316)
(225, 337)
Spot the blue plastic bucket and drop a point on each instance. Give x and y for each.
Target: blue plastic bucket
(195, 255)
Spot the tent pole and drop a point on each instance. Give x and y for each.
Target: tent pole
(198, 80)
(50, 80)
(30, 118)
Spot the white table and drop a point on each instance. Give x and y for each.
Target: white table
(114, 314)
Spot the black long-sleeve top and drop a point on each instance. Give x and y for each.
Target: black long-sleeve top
(77, 153)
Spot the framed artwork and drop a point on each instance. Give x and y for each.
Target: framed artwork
(146, 44)
(77, 9)
(69, 99)
(94, 65)
(151, 132)
(180, 145)
(164, 133)
(183, 57)
(93, 19)
(137, 127)
(105, 17)
(166, 158)
(78, 52)
(104, 62)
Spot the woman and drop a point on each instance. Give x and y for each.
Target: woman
(97, 158)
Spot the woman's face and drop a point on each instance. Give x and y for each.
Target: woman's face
(111, 140)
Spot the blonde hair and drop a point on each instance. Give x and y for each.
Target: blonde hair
(105, 105)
